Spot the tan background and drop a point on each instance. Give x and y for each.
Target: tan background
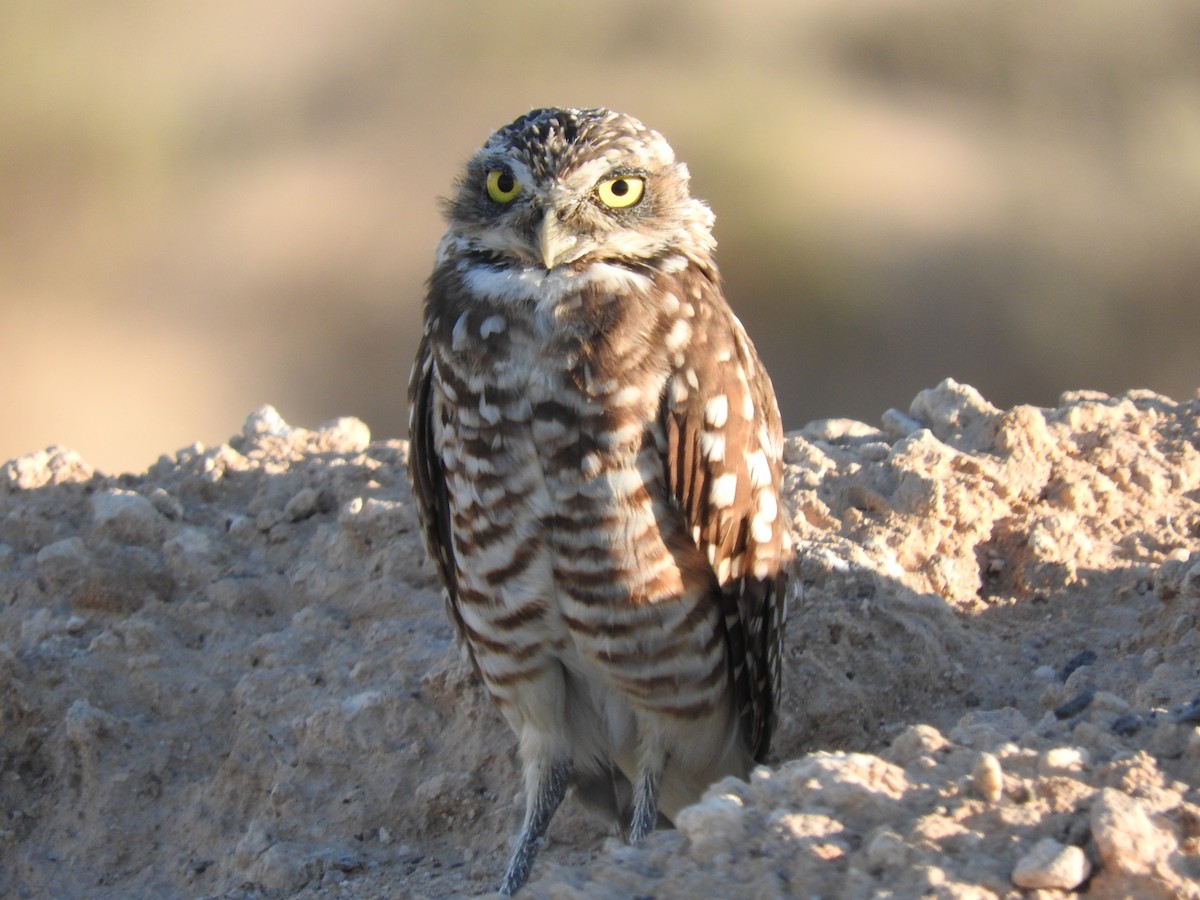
(208, 206)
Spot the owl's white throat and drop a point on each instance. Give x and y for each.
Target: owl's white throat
(515, 284)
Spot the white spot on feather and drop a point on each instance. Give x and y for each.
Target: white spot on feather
(768, 506)
(623, 482)
(590, 465)
(724, 490)
(477, 465)
(679, 392)
(672, 264)
(723, 568)
(761, 531)
(758, 468)
(458, 336)
(627, 396)
(747, 406)
(678, 335)
(489, 412)
(712, 445)
(716, 411)
(491, 325)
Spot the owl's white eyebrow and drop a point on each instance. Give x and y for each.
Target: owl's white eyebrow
(607, 166)
(518, 169)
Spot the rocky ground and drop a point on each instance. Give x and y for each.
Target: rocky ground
(230, 676)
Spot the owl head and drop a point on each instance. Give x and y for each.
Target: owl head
(560, 189)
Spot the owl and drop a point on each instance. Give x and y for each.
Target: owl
(595, 453)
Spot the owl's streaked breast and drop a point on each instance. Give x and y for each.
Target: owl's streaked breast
(562, 513)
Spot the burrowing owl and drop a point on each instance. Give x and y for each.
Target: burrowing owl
(596, 457)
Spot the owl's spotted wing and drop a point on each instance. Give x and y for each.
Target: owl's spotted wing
(724, 441)
(429, 478)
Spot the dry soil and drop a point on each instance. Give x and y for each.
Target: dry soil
(231, 676)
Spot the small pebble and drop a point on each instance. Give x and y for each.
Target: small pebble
(1078, 661)
(1049, 864)
(1059, 759)
(1127, 724)
(1075, 705)
(988, 778)
(1044, 673)
(303, 505)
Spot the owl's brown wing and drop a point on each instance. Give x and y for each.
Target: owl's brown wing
(723, 461)
(428, 479)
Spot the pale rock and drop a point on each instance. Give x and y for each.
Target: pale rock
(887, 851)
(988, 729)
(714, 825)
(1063, 759)
(64, 564)
(988, 778)
(1126, 837)
(54, 465)
(265, 420)
(126, 517)
(1049, 864)
(916, 741)
(302, 505)
(345, 435)
(188, 555)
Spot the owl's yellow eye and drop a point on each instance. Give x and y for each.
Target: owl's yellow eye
(621, 192)
(502, 186)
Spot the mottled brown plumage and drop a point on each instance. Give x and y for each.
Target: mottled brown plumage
(596, 457)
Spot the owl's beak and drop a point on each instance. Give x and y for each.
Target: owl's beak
(553, 241)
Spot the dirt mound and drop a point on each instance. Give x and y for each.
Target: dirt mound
(232, 676)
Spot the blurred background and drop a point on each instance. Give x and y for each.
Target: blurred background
(207, 207)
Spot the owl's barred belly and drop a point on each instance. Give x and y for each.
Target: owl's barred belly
(570, 542)
(584, 600)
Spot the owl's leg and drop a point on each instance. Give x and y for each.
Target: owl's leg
(545, 785)
(651, 763)
(645, 805)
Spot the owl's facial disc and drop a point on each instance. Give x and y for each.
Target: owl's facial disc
(562, 189)
(572, 215)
